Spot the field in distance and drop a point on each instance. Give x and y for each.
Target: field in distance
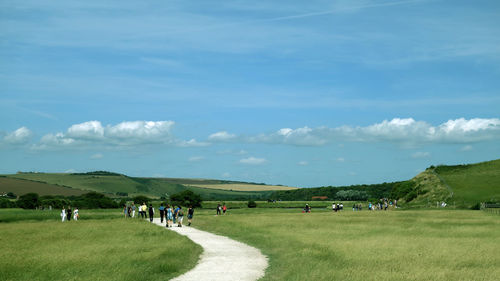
(243, 186)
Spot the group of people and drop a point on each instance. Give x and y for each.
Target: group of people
(221, 210)
(171, 214)
(337, 207)
(66, 214)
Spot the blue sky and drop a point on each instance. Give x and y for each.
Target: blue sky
(283, 92)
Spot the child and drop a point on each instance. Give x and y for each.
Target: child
(75, 214)
(190, 215)
(170, 216)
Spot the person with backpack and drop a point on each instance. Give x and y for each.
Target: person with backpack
(190, 215)
(162, 212)
(180, 217)
(170, 216)
(176, 212)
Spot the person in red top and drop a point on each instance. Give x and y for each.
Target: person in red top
(224, 209)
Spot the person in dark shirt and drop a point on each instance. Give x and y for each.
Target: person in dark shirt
(190, 215)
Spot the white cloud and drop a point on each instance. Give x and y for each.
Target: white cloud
(405, 131)
(221, 136)
(466, 148)
(226, 175)
(86, 130)
(19, 136)
(129, 133)
(196, 158)
(420, 154)
(303, 163)
(340, 159)
(253, 161)
(97, 156)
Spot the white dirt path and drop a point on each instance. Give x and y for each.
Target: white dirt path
(222, 258)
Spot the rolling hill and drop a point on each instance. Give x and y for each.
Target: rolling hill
(114, 184)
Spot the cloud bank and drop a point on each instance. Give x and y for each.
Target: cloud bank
(398, 130)
(129, 133)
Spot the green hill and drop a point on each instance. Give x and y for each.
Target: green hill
(461, 186)
(114, 184)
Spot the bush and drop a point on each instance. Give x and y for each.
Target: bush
(186, 198)
(476, 206)
(141, 199)
(28, 201)
(252, 204)
(6, 203)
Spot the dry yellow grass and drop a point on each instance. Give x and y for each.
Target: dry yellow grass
(243, 187)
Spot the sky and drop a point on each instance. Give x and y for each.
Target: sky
(299, 93)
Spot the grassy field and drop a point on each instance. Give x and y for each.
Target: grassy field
(243, 187)
(367, 245)
(42, 248)
(473, 183)
(282, 204)
(21, 186)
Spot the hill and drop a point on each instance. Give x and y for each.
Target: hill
(114, 184)
(22, 186)
(461, 186)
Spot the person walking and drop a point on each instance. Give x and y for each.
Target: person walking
(124, 211)
(218, 209)
(180, 217)
(224, 209)
(68, 213)
(170, 216)
(144, 207)
(176, 211)
(162, 212)
(190, 215)
(133, 210)
(151, 212)
(75, 214)
(63, 214)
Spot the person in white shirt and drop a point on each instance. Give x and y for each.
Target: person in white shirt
(63, 214)
(75, 214)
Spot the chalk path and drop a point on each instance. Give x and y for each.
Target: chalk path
(222, 258)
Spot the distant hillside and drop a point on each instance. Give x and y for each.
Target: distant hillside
(114, 184)
(460, 186)
(21, 186)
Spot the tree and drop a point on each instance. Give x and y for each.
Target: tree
(252, 204)
(28, 201)
(139, 199)
(186, 198)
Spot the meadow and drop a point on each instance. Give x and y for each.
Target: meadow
(367, 245)
(101, 246)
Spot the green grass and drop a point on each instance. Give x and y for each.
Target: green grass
(92, 249)
(473, 183)
(282, 204)
(23, 186)
(377, 245)
(15, 215)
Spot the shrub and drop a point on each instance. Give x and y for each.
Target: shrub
(28, 201)
(186, 198)
(252, 204)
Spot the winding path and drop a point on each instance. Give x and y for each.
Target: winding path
(222, 258)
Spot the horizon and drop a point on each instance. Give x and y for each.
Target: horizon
(291, 93)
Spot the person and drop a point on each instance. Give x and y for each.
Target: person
(162, 212)
(180, 216)
(133, 210)
(370, 206)
(190, 215)
(124, 211)
(75, 214)
(354, 207)
(63, 214)
(341, 206)
(129, 211)
(176, 212)
(151, 212)
(334, 207)
(170, 216)
(224, 209)
(144, 207)
(68, 213)
(218, 209)
(307, 209)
